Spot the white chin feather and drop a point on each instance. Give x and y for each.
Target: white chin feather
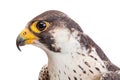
(40, 45)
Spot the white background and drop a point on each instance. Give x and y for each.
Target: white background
(99, 19)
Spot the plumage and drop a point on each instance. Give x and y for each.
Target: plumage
(72, 54)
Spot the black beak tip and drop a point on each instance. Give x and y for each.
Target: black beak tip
(20, 42)
(18, 46)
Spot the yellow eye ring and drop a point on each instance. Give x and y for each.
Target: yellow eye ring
(39, 26)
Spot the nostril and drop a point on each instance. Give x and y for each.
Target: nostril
(24, 33)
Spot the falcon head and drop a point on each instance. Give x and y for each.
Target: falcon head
(49, 31)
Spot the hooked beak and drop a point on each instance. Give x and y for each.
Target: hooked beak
(20, 42)
(25, 37)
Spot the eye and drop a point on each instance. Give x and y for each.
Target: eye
(41, 25)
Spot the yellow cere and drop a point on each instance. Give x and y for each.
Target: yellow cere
(28, 36)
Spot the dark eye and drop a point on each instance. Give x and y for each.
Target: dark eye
(41, 25)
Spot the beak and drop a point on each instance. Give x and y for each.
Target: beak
(25, 37)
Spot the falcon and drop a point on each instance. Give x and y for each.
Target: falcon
(72, 54)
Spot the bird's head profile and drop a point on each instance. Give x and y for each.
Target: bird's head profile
(49, 31)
